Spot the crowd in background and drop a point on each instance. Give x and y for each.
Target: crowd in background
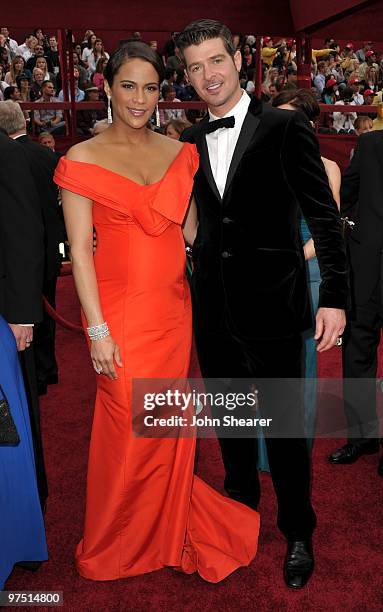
(30, 71)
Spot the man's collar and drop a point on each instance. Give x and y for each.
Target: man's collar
(19, 136)
(238, 109)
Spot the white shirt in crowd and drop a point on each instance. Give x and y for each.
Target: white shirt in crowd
(222, 142)
(12, 46)
(344, 121)
(24, 51)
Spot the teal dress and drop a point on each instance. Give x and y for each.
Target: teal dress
(309, 355)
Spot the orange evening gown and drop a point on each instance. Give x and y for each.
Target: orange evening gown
(145, 508)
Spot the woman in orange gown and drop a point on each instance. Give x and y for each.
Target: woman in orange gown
(145, 508)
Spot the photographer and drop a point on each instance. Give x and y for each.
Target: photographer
(343, 123)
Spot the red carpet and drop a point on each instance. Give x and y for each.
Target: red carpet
(348, 501)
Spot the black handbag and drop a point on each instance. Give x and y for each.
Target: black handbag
(8, 431)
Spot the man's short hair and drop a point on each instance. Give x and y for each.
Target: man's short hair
(205, 29)
(47, 82)
(12, 118)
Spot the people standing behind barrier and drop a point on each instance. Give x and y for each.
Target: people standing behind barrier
(343, 123)
(98, 76)
(16, 68)
(38, 52)
(11, 44)
(86, 118)
(35, 91)
(79, 94)
(97, 52)
(53, 55)
(48, 120)
(27, 49)
(83, 80)
(12, 93)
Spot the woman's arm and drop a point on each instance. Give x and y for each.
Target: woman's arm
(334, 179)
(78, 220)
(191, 223)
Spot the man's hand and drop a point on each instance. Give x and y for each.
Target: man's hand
(330, 324)
(23, 335)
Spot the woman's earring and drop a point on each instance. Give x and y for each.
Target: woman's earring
(110, 118)
(158, 120)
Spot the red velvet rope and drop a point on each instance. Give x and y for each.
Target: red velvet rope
(66, 270)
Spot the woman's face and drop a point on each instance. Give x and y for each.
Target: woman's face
(246, 50)
(171, 132)
(134, 93)
(41, 63)
(19, 65)
(24, 85)
(78, 50)
(93, 39)
(98, 46)
(38, 75)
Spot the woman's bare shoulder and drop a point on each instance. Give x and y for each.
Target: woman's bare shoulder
(83, 151)
(167, 144)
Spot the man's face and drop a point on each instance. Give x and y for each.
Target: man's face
(5, 32)
(52, 41)
(93, 96)
(2, 40)
(49, 90)
(273, 91)
(48, 141)
(214, 74)
(39, 50)
(368, 99)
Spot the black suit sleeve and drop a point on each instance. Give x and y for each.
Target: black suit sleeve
(307, 177)
(21, 239)
(349, 193)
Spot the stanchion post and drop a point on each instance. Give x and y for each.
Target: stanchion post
(258, 67)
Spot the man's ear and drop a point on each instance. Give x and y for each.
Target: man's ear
(237, 59)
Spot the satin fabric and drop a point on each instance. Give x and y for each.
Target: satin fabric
(145, 508)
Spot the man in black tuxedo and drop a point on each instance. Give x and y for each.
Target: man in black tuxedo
(361, 201)
(42, 163)
(21, 271)
(249, 287)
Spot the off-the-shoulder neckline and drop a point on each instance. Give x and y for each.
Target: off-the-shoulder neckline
(72, 161)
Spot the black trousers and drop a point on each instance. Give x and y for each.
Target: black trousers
(222, 355)
(44, 342)
(360, 363)
(27, 361)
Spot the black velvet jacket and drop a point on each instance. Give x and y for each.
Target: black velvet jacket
(361, 200)
(249, 263)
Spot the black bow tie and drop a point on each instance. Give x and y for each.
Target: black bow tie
(225, 122)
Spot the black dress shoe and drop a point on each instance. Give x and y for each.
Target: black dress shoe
(380, 467)
(299, 563)
(349, 453)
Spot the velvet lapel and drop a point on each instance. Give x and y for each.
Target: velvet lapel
(379, 148)
(249, 127)
(203, 151)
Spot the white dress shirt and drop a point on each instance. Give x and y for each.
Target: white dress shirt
(221, 143)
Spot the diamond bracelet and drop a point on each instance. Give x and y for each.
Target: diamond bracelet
(98, 332)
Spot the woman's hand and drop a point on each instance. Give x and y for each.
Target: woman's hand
(104, 353)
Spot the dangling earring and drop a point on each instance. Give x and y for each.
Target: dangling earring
(110, 118)
(158, 120)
